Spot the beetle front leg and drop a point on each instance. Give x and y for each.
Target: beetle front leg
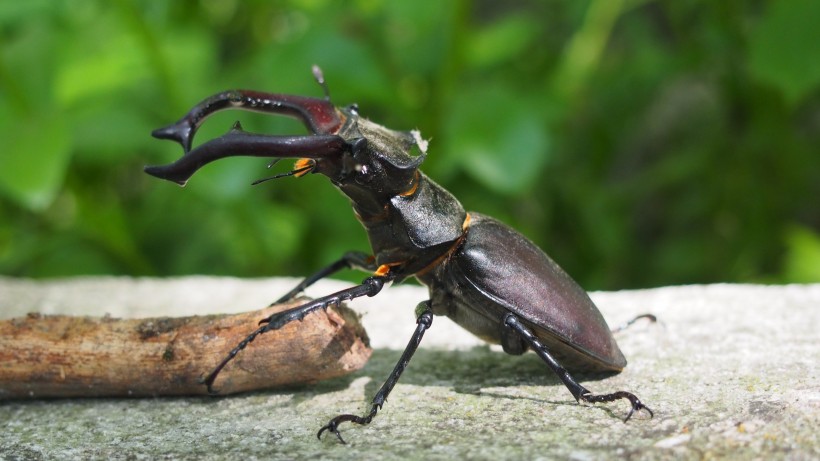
(350, 260)
(424, 320)
(578, 391)
(371, 286)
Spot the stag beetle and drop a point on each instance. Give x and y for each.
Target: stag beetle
(481, 273)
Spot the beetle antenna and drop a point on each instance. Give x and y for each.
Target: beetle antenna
(276, 176)
(298, 171)
(320, 79)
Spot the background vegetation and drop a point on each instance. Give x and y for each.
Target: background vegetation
(640, 143)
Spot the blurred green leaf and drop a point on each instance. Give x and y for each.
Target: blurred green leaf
(34, 159)
(640, 142)
(114, 63)
(785, 45)
(191, 57)
(586, 47)
(501, 40)
(14, 12)
(65, 254)
(802, 262)
(105, 138)
(499, 136)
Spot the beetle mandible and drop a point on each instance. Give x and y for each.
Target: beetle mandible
(482, 274)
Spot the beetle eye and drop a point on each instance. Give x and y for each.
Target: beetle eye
(364, 173)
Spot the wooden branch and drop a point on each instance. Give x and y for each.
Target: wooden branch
(62, 356)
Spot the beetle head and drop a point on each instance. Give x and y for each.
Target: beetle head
(366, 161)
(380, 163)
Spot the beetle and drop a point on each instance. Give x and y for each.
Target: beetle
(481, 273)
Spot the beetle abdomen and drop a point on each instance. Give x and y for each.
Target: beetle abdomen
(497, 270)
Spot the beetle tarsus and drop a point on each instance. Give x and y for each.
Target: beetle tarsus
(209, 380)
(637, 405)
(333, 425)
(369, 287)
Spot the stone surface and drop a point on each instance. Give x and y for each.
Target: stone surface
(731, 373)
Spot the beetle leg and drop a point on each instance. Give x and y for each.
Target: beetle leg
(350, 260)
(649, 317)
(578, 391)
(423, 322)
(369, 287)
(637, 405)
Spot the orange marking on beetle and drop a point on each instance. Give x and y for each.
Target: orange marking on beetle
(384, 269)
(413, 187)
(342, 120)
(304, 164)
(372, 218)
(450, 251)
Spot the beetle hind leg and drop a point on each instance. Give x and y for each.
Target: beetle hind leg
(578, 391)
(651, 318)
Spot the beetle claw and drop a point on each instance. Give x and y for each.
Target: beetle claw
(636, 403)
(209, 383)
(332, 426)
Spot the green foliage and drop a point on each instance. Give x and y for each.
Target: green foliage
(639, 143)
(781, 49)
(802, 256)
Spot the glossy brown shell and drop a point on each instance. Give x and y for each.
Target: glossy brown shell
(497, 270)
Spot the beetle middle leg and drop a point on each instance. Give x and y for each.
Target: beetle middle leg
(578, 391)
(423, 322)
(350, 260)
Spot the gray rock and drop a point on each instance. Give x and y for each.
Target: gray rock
(731, 373)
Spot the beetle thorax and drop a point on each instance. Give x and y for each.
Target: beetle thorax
(381, 164)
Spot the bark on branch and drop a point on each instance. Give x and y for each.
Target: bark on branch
(63, 356)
